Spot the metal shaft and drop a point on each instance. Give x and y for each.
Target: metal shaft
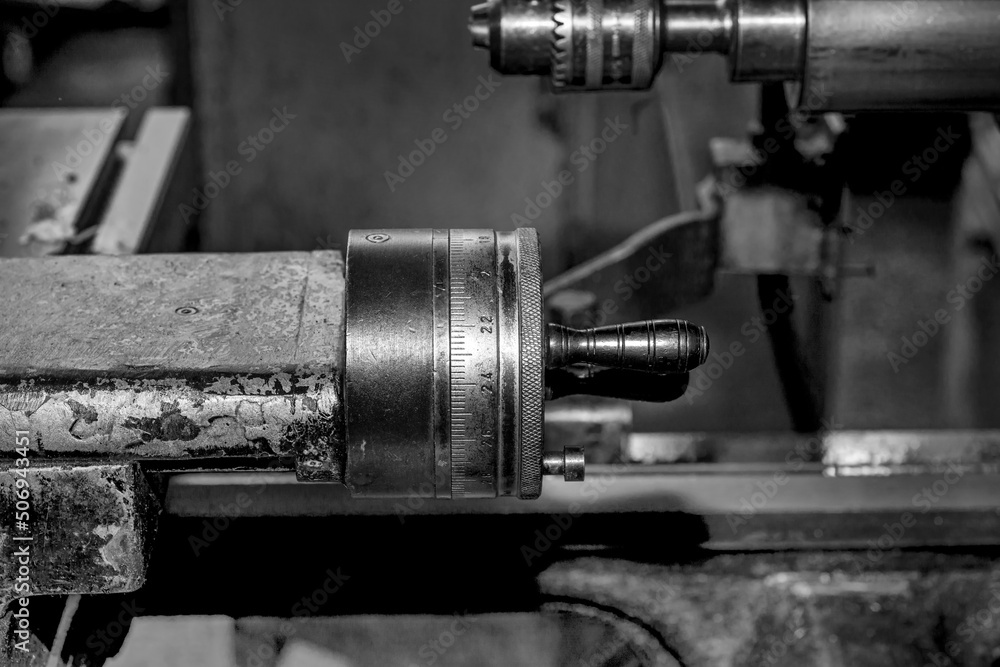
(887, 55)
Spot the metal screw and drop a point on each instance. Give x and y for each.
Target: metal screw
(378, 238)
(187, 310)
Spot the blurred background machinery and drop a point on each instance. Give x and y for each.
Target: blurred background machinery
(824, 492)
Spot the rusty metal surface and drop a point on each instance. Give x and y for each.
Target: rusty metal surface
(835, 609)
(91, 532)
(174, 357)
(254, 416)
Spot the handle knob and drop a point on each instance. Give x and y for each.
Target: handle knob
(655, 346)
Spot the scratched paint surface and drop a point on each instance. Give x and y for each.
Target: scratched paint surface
(232, 415)
(171, 315)
(90, 530)
(172, 356)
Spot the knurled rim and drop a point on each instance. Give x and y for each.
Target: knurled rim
(532, 364)
(594, 73)
(643, 68)
(561, 42)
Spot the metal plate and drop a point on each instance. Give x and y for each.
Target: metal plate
(53, 165)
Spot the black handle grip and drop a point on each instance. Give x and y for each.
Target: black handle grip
(656, 346)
